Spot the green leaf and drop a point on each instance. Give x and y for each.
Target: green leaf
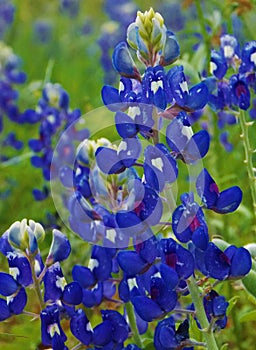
(249, 316)
(224, 346)
(232, 302)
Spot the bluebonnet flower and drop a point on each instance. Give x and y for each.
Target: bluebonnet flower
(161, 296)
(223, 202)
(54, 115)
(135, 262)
(43, 31)
(167, 337)
(7, 10)
(92, 278)
(51, 331)
(184, 144)
(160, 166)
(177, 257)
(10, 75)
(70, 7)
(216, 306)
(12, 141)
(232, 263)
(16, 297)
(188, 222)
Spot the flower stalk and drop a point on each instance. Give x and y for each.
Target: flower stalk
(248, 156)
(200, 314)
(132, 322)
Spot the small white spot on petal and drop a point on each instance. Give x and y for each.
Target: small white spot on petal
(133, 111)
(184, 86)
(89, 327)
(111, 235)
(14, 271)
(155, 85)
(157, 274)
(158, 163)
(213, 67)
(253, 58)
(132, 283)
(93, 263)
(228, 51)
(52, 329)
(122, 147)
(121, 86)
(61, 282)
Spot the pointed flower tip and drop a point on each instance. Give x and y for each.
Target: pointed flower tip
(60, 248)
(123, 62)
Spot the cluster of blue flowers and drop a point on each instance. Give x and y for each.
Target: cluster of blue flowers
(54, 115)
(233, 69)
(10, 76)
(117, 199)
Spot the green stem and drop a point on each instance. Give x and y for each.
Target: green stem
(132, 322)
(48, 71)
(248, 156)
(16, 160)
(200, 314)
(205, 35)
(36, 282)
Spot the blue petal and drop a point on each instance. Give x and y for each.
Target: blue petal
(108, 161)
(4, 310)
(83, 275)
(125, 125)
(171, 50)
(130, 262)
(207, 189)
(216, 262)
(120, 329)
(17, 304)
(8, 285)
(111, 98)
(146, 308)
(60, 247)
(241, 262)
(72, 294)
(102, 334)
(229, 200)
(123, 62)
(80, 327)
(198, 97)
(197, 147)
(129, 151)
